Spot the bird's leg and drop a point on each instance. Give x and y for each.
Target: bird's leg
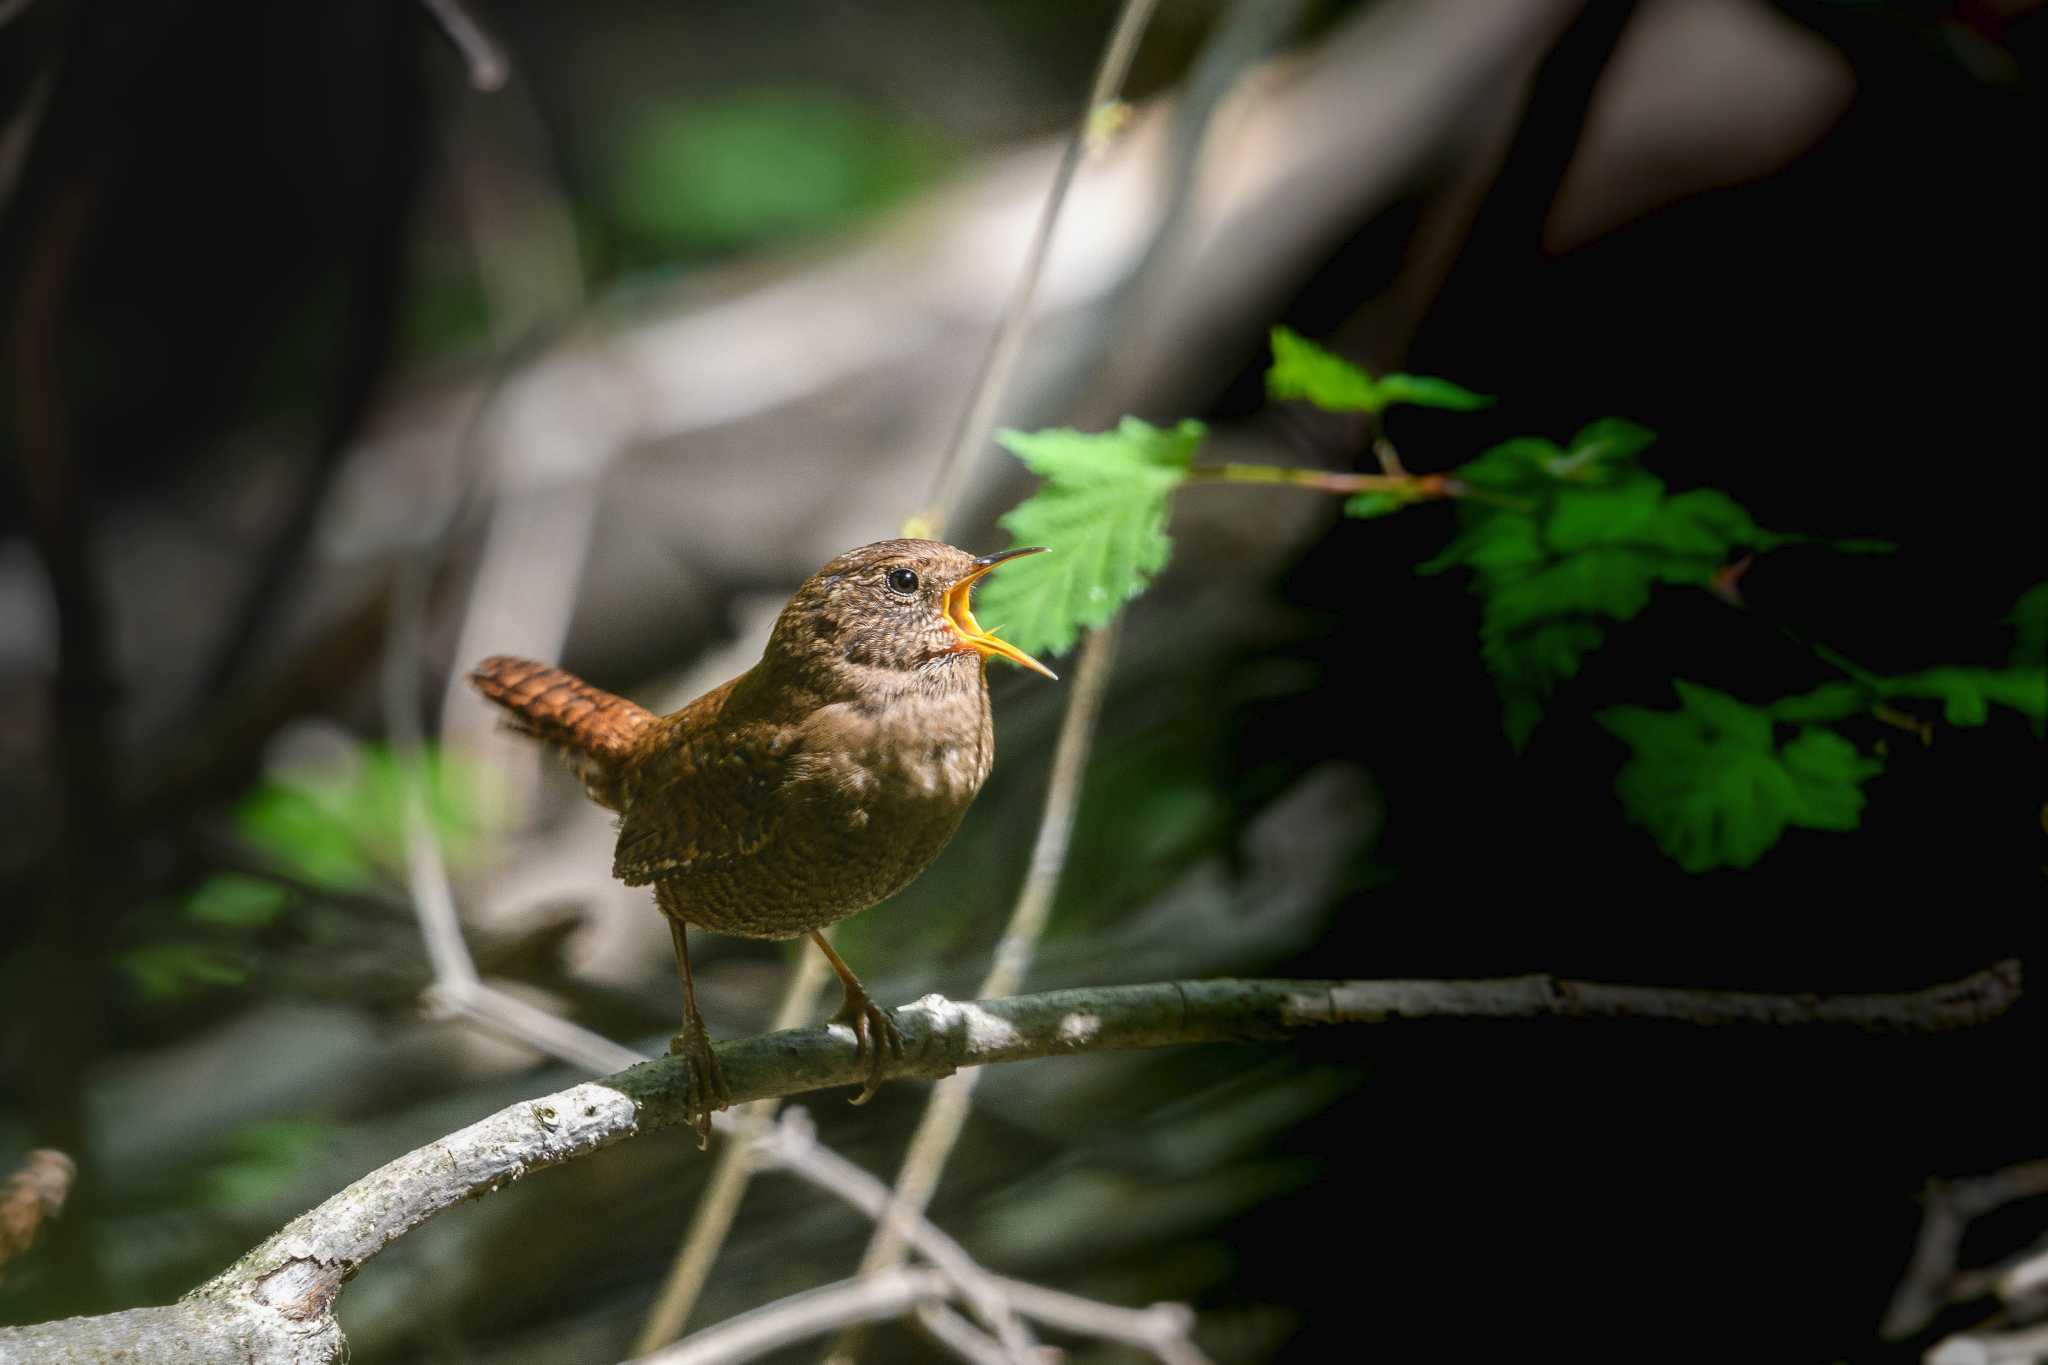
(873, 1029)
(693, 1044)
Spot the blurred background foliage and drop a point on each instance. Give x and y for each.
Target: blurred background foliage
(616, 355)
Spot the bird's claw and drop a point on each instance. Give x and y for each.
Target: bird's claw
(873, 1032)
(707, 1089)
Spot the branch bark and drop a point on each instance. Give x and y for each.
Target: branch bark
(275, 1305)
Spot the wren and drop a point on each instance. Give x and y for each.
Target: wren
(818, 783)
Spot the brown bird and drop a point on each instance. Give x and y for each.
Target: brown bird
(820, 782)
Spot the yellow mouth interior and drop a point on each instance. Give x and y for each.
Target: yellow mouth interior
(960, 616)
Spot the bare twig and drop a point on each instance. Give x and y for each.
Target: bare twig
(720, 1202)
(1163, 1329)
(956, 1334)
(1934, 1278)
(865, 1298)
(793, 1146)
(489, 67)
(1991, 1348)
(275, 1304)
(993, 380)
(31, 1197)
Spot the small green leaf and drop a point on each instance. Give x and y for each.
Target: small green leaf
(1724, 717)
(1500, 547)
(1103, 511)
(1424, 392)
(1709, 785)
(1367, 505)
(1966, 694)
(1829, 701)
(1520, 466)
(1605, 581)
(1827, 776)
(173, 971)
(1302, 369)
(1528, 664)
(1609, 441)
(237, 902)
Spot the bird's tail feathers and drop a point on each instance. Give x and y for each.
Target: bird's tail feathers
(594, 729)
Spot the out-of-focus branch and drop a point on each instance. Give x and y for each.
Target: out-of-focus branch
(864, 1298)
(489, 67)
(31, 1197)
(993, 380)
(793, 1146)
(720, 1203)
(275, 1304)
(2024, 1347)
(1935, 1278)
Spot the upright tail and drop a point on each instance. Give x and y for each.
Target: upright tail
(594, 729)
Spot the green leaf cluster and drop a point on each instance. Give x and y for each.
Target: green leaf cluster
(1572, 538)
(1302, 369)
(1103, 511)
(1713, 786)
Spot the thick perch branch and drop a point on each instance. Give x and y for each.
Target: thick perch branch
(275, 1304)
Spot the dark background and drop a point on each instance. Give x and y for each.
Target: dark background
(230, 258)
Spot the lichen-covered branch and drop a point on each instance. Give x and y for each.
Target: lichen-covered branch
(274, 1306)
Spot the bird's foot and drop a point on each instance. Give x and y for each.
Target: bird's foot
(707, 1083)
(873, 1031)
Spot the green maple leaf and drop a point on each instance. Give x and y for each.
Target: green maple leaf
(1102, 510)
(1302, 369)
(1713, 788)
(1588, 535)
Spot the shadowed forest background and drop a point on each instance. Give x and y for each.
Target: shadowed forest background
(607, 360)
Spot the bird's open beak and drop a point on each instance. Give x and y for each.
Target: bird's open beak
(960, 615)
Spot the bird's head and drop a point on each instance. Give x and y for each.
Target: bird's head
(897, 607)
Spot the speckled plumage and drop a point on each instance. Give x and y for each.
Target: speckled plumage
(816, 784)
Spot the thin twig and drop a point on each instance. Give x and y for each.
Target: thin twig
(1934, 1278)
(1163, 1329)
(712, 1222)
(864, 1298)
(793, 1146)
(489, 67)
(997, 367)
(956, 1334)
(1991, 1348)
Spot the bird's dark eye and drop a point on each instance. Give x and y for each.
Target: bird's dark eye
(903, 581)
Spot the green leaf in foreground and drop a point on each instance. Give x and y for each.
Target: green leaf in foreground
(1102, 511)
(1302, 369)
(1711, 786)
